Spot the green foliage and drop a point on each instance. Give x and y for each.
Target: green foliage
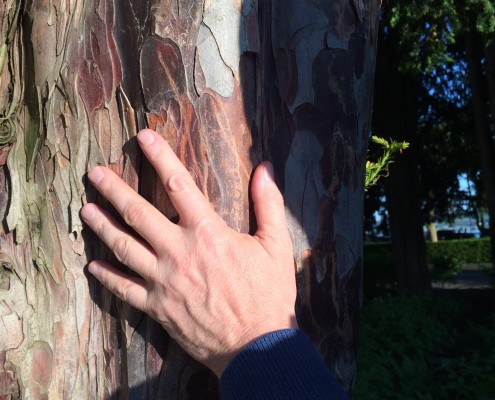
(424, 348)
(426, 29)
(472, 251)
(447, 147)
(376, 169)
(445, 268)
(429, 28)
(422, 43)
(446, 256)
(482, 13)
(378, 272)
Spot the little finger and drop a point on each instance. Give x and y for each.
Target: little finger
(131, 289)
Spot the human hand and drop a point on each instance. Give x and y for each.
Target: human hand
(213, 289)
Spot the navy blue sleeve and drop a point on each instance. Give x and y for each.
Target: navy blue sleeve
(281, 365)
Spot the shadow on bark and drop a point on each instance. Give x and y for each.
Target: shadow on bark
(302, 90)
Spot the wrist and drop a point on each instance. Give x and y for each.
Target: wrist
(220, 362)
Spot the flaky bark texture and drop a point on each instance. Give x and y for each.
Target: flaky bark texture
(228, 83)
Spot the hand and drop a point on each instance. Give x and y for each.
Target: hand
(213, 289)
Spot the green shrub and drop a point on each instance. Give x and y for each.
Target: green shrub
(474, 251)
(378, 267)
(424, 348)
(446, 267)
(446, 256)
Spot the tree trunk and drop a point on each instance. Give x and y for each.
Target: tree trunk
(406, 224)
(395, 116)
(482, 129)
(431, 226)
(432, 230)
(490, 73)
(227, 83)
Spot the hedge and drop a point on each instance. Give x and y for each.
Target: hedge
(447, 258)
(472, 251)
(425, 347)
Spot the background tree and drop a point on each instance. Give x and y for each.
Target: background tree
(448, 149)
(427, 98)
(478, 35)
(227, 83)
(396, 116)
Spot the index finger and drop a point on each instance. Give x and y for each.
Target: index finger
(186, 197)
(136, 211)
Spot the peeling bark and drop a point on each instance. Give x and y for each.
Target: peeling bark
(228, 84)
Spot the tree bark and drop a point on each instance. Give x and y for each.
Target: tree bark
(432, 230)
(228, 84)
(406, 224)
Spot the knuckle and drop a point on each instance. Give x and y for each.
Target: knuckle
(135, 213)
(121, 249)
(178, 181)
(100, 228)
(121, 290)
(208, 231)
(205, 227)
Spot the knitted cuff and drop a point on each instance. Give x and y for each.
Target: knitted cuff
(279, 365)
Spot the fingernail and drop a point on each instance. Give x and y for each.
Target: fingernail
(269, 173)
(95, 175)
(88, 212)
(92, 268)
(146, 137)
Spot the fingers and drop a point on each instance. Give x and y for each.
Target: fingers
(129, 250)
(136, 211)
(188, 200)
(127, 288)
(269, 209)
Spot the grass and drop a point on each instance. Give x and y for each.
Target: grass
(436, 346)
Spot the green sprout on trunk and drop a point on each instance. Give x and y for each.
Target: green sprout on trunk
(379, 168)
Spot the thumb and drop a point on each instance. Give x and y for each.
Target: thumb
(269, 209)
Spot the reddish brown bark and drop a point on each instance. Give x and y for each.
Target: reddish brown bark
(228, 84)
